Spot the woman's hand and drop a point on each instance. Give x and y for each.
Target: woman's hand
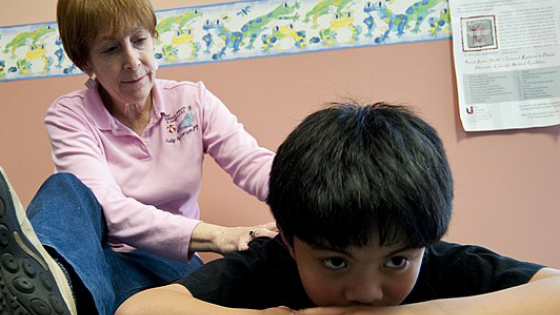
(238, 238)
(220, 239)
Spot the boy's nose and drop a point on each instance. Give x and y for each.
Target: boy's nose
(364, 291)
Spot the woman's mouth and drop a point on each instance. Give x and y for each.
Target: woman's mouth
(134, 81)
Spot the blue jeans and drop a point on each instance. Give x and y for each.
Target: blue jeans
(69, 220)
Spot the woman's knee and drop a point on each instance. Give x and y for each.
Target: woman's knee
(63, 179)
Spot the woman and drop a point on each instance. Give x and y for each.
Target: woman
(138, 143)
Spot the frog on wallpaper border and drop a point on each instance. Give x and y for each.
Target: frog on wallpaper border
(341, 22)
(181, 38)
(28, 38)
(254, 27)
(283, 34)
(395, 22)
(230, 38)
(35, 52)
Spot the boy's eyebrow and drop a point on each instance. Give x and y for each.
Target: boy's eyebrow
(328, 248)
(332, 249)
(398, 250)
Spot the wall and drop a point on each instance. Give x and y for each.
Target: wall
(506, 182)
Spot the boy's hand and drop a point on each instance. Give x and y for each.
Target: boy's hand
(281, 310)
(325, 311)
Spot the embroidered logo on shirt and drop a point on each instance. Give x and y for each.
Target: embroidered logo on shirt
(180, 124)
(171, 128)
(187, 121)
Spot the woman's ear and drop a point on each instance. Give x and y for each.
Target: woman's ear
(87, 69)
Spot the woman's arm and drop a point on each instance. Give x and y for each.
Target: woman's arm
(214, 238)
(233, 148)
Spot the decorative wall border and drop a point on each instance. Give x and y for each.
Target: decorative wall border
(246, 29)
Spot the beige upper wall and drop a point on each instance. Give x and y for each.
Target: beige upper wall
(506, 182)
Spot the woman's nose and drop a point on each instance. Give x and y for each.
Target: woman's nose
(131, 58)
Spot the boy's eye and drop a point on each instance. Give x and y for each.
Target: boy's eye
(335, 263)
(396, 262)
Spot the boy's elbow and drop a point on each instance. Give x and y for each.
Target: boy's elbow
(545, 273)
(129, 307)
(123, 310)
(162, 300)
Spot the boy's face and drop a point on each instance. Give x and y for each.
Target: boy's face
(369, 275)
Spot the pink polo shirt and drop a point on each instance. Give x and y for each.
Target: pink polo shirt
(148, 185)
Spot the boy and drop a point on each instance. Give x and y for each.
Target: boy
(361, 196)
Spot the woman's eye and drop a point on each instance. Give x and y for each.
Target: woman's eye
(110, 50)
(335, 263)
(396, 262)
(140, 41)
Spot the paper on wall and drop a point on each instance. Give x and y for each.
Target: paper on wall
(507, 62)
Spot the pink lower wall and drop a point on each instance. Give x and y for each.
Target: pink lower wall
(506, 182)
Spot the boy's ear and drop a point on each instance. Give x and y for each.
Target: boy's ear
(288, 244)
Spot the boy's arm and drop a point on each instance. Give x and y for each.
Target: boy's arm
(176, 299)
(538, 296)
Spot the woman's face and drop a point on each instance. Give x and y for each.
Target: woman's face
(124, 65)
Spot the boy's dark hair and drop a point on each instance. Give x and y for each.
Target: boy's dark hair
(349, 171)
